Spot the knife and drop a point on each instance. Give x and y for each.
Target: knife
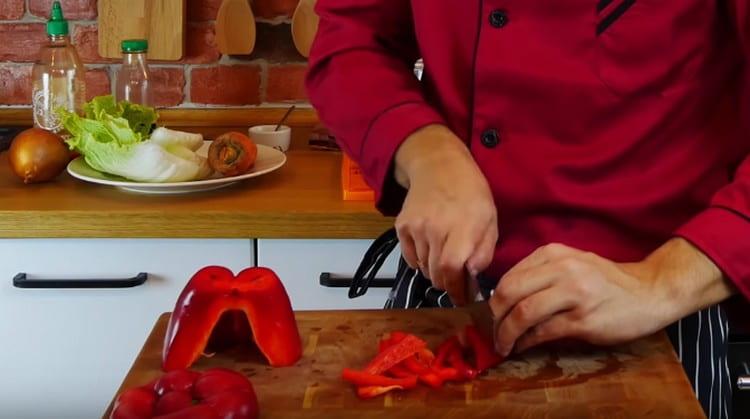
(479, 310)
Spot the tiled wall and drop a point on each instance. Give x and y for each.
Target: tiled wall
(272, 74)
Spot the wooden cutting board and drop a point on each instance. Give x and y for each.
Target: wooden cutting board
(640, 380)
(162, 22)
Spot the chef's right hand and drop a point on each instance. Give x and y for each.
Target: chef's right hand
(448, 223)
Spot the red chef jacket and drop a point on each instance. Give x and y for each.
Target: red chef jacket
(607, 125)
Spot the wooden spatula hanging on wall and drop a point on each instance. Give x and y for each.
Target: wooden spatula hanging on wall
(304, 26)
(235, 28)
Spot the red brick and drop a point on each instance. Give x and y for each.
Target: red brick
(97, 83)
(72, 9)
(15, 84)
(167, 86)
(202, 10)
(226, 85)
(200, 46)
(286, 83)
(21, 41)
(86, 40)
(270, 9)
(12, 9)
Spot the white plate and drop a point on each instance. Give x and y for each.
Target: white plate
(268, 160)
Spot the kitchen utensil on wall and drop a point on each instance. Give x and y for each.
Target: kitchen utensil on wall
(235, 28)
(304, 26)
(161, 22)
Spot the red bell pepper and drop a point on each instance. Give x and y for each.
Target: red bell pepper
(395, 354)
(216, 393)
(363, 379)
(218, 307)
(483, 350)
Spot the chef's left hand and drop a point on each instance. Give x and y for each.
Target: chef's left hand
(560, 292)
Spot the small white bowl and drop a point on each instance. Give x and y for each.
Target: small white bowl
(265, 135)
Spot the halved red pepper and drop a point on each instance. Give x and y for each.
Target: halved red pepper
(395, 354)
(483, 350)
(363, 379)
(218, 306)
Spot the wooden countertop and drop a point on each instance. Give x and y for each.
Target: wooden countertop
(300, 200)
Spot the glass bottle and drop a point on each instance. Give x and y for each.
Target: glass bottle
(58, 77)
(133, 78)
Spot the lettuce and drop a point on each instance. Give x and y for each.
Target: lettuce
(113, 138)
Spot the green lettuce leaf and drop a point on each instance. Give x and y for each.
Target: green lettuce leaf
(140, 118)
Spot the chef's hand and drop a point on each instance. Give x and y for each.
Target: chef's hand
(448, 223)
(560, 292)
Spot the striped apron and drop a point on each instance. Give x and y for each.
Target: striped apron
(700, 340)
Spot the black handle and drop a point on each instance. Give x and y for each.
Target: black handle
(328, 280)
(20, 281)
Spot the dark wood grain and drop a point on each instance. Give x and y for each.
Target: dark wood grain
(639, 380)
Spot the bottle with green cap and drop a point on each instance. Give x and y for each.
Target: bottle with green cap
(133, 77)
(57, 76)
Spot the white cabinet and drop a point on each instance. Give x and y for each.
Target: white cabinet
(299, 264)
(64, 352)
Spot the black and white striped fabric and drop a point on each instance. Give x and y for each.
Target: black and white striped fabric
(700, 340)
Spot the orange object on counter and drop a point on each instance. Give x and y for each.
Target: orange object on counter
(353, 182)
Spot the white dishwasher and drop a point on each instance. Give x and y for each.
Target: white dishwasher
(65, 352)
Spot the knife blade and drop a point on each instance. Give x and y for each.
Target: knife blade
(479, 310)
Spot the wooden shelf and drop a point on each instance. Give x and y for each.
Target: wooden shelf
(301, 200)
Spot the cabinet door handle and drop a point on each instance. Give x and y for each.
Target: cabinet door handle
(328, 280)
(21, 281)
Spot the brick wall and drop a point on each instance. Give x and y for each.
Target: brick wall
(272, 74)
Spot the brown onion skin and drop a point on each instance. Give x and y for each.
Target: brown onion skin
(37, 155)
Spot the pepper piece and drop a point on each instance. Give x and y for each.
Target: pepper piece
(395, 354)
(400, 371)
(363, 379)
(456, 360)
(216, 393)
(214, 301)
(484, 353)
(445, 348)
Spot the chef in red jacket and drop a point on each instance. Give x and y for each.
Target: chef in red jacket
(589, 155)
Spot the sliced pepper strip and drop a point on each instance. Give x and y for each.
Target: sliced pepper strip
(395, 354)
(444, 350)
(456, 360)
(415, 366)
(363, 379)
(400, 371)
(375, 391)
(485, 356)
(432, 379)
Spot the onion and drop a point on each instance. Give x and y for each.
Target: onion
(38, 155)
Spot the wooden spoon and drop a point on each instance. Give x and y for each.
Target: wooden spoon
(235, 28)
(304, 26)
